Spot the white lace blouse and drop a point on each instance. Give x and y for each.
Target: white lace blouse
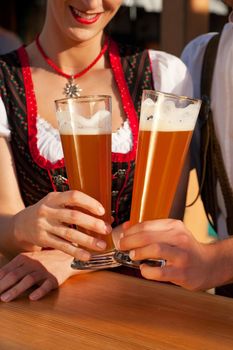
(169, 75)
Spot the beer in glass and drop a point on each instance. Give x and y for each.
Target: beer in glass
(85, 128)
(166, 125)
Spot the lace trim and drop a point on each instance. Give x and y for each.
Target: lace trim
(122, 139)
(49, 142)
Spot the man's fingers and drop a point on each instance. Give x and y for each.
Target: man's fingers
(141, 239)
(160, 231)
(156, 251)
(153, 225)
(162, 274)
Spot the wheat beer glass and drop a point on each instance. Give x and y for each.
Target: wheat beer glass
(85, 128)
(166, 125)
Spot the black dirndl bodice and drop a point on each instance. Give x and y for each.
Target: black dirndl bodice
(37, 176)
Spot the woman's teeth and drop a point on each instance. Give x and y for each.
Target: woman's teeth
(82, 14)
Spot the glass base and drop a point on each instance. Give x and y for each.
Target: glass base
(97, 262)
(124, 259)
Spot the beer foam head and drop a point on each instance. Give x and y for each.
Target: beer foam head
(71, 123)
(164, 115)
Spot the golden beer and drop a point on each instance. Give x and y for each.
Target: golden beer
(166, 125)
(88, 165)
(160, 159)
(85, 128)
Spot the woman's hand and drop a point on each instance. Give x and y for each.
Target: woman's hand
(189, 263)
(44, 270)
(47, 224)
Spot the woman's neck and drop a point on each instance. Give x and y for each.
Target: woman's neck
(70, 55)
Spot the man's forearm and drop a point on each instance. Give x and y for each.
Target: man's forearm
(221, 254)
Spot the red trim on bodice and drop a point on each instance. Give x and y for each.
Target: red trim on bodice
(127, 103)
(32, 111)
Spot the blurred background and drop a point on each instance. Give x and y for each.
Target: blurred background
(160, 24)
(163, 24)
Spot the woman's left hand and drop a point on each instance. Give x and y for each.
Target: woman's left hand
(44, 270)
(189, 263)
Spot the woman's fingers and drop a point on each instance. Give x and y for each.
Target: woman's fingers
(76, 199)
(44, 289)
(47, 268)
(13, 264)
(69, 248)
(74, 236)
(75, 217)
(27, 282)
(11, 277)
(13, 271)
(54, 220)
(33, 225)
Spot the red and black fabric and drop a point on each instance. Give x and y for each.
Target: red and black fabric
(33, 180)
(37, 176)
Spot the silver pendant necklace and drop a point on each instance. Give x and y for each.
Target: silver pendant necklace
(71, 88)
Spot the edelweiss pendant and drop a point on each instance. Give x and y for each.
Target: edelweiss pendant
(71, 89)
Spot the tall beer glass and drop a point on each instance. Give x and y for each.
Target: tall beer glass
(166, 125)
(85, 128)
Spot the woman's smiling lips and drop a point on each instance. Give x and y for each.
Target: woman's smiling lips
(83, 17)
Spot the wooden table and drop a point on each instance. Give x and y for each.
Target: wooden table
(109, 311)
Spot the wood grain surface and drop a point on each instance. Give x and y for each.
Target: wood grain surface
(108, 311)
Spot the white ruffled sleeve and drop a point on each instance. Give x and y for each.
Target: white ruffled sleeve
(4, 127)
(170, 74)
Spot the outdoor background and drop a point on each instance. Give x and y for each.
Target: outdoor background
(164, 24)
